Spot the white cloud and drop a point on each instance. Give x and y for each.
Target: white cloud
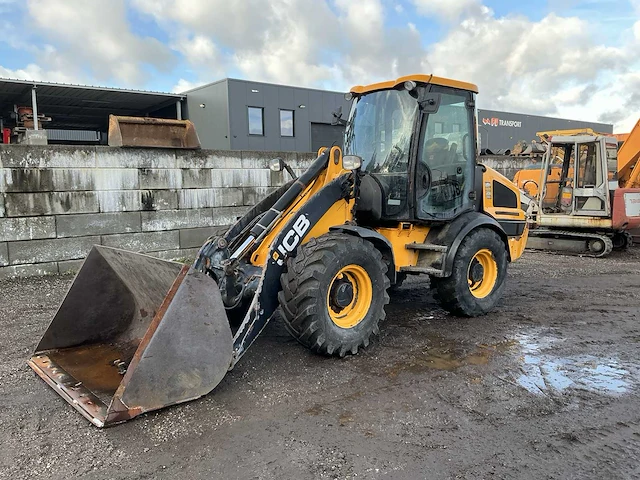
(551, 67)
(450, 10)
(96, 37)
(185, 85)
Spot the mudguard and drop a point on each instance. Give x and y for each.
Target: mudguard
(453, 233)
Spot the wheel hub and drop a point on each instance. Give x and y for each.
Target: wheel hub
(341, 294)
(476, 273)
(349, 296)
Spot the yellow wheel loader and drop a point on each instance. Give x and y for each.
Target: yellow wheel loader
(406, 197)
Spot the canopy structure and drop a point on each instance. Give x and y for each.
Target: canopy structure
(84, 107)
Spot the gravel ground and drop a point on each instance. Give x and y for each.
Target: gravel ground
(544, 387)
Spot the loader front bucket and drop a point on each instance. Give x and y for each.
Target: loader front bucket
(151, 132)
(134, 334)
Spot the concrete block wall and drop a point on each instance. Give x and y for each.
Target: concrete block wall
(56, 202)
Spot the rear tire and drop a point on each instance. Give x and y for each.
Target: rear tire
(334, 293)
(478, 278)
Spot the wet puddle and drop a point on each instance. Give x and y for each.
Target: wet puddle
(444, 354)
(536, 368)
(544, 373)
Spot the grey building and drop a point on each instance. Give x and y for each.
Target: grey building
(243, 115)
(502, 130)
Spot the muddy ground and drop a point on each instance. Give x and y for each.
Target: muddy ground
(545, 387)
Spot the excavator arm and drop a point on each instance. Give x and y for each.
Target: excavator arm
(629, 160)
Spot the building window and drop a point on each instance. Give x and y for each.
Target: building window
(438, 127)
(286, 123)
(256, 120)
(455, 127)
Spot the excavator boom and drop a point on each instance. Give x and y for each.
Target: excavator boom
(629, 160)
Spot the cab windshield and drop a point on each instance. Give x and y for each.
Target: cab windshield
(379, 130)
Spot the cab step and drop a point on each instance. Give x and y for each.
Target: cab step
(427, 246)
(436, 272)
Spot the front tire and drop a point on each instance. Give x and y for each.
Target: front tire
(478, 278)
(334, 293)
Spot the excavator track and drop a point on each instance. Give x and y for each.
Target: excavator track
(570, 243)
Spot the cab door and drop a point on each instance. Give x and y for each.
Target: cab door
(446, 157)
(590, 192)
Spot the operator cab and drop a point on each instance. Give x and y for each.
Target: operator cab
(417, 142)
(580, 171)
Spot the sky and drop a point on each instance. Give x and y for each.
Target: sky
(568, 58)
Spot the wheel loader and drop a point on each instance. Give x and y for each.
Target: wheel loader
(587, 194)
(404, 196)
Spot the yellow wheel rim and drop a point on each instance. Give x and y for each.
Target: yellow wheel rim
(349, 296)
(482, 273)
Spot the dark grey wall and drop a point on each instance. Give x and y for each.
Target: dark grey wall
(504, 135)
(318, 108)
(212, 121)
(223, 123)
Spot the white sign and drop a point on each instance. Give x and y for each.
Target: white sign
(499, 122)
(632, 204)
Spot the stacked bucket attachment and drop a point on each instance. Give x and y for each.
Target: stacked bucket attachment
(150, 132)
(134, 334)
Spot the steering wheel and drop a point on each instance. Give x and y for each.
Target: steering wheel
(524, 186)
(423, 179)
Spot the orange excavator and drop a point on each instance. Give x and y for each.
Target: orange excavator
(586, 198)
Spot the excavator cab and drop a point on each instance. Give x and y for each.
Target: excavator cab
(581, 205)
(407, 197)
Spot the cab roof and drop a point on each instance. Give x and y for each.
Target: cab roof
(418, 78)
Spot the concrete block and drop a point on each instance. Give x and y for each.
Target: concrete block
(34, 251)
(176, 219)
(26, 180)
(159, 200)
(252, 195)
(4, 254)
(27, 228)
(68, 267)
(209, 159)
(227, 215)
(144, 242)
(35, 270)
(196, 178)
(184, 255)
(73, 179)
(241, 178)
(2, 209)
(116, 179)
(160, 179)
(209, 197)
(34, 137)
(120, 201)
(304, 160)
(97, 224)
(195, 237)
(52, 156)
(109, 157)
(253, 160)
(52, 203)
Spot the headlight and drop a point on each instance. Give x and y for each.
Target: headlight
(409, 85)
(276, 165)
(351, 162)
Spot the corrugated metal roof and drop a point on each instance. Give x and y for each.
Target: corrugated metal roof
(81, 106)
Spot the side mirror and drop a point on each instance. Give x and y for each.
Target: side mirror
(278, 164)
